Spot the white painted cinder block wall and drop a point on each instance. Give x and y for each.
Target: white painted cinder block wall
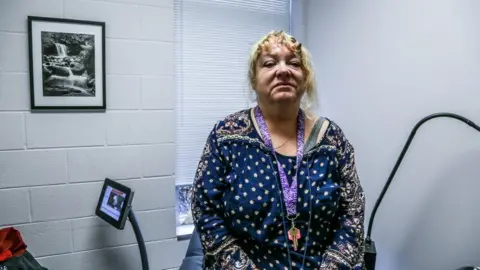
(381, 67)
(52, 165)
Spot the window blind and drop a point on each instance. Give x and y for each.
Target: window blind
(213, 39)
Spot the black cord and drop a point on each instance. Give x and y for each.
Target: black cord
(400, 158)
(370, 255)
(141, 242)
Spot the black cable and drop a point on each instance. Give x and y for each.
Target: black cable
(370, 254)
(141, 242)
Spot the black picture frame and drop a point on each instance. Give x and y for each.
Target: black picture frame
(67, 64)
(110, 186)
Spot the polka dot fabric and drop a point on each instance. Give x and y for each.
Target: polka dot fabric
(240, 215)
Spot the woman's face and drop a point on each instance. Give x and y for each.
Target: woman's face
(279, 76)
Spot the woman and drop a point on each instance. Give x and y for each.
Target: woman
(276, 187)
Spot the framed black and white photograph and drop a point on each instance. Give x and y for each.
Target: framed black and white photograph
(67, 64)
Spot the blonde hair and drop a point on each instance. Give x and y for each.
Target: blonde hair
(309, 100)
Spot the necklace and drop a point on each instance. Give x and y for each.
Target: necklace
(282, 144)
(289, 191)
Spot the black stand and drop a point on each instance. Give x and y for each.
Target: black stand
(370, 250)
(140, 241)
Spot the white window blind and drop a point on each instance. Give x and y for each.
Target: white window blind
(213, 41)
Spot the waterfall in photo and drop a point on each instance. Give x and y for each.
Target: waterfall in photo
(61, 49)
(67, 65)
(64, 82)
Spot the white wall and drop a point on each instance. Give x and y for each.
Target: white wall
(382, 66)
(52, 165)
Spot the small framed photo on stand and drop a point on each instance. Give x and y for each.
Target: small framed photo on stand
(67, 64)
